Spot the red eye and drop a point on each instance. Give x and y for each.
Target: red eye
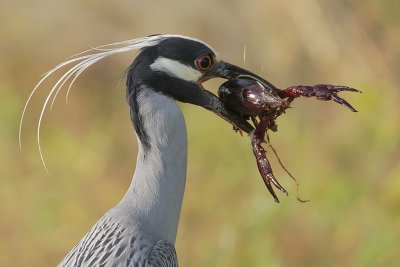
(204, 62)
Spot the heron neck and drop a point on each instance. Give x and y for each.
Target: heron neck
(156, 193)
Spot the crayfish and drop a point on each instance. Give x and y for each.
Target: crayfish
(263, 103)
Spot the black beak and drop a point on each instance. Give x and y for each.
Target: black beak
(211, 102)
(231, 72)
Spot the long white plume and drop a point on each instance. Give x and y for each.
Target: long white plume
(81, 62)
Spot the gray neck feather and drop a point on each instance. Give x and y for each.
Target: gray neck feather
(155, 196)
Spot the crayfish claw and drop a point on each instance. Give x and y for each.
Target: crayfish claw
(267, 182)
(341, 101)
(339, 88)
(264, 167)
(276, 183)
(329, 92)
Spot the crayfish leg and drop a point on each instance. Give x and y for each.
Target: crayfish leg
(254, 120)
(264, 167)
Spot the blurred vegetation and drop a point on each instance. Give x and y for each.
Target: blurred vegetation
(348, 164)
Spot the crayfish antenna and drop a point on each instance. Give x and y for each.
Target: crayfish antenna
(287, 171)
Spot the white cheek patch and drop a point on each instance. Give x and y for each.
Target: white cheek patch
(176, 69)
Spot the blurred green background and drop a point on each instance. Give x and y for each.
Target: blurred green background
(347, 163)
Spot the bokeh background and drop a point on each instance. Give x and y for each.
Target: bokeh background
(347, 163)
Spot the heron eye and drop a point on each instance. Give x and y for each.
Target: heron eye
(204, 62)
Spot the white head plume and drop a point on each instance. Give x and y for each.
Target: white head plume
(81, 62)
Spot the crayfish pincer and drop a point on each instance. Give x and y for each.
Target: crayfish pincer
(262, 103)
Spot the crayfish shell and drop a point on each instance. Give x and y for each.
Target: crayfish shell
(249, 97)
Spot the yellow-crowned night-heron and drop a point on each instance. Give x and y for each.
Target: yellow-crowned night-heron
(141, 229)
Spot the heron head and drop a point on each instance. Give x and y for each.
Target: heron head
(177, 66)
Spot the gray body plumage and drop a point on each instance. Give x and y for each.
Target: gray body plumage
(110, 243)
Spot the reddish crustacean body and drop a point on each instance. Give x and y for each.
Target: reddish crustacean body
(263, 103)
